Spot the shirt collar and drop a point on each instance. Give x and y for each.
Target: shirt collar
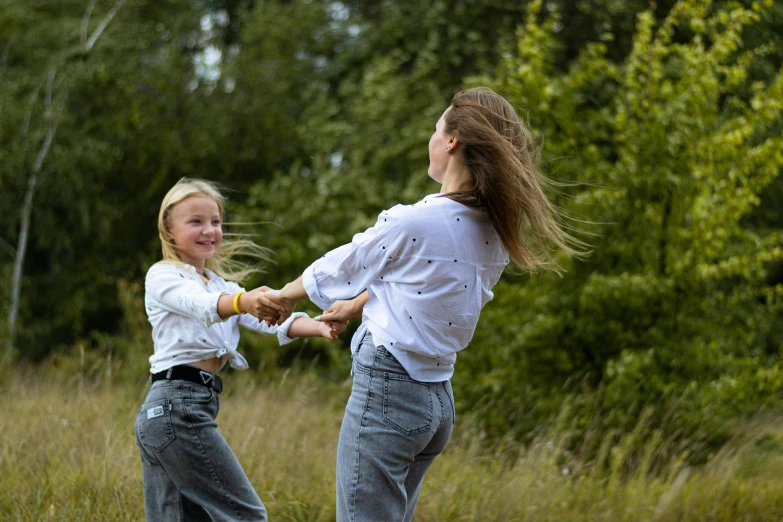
(209, 273)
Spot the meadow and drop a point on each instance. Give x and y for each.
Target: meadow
(645, 383)
(67, 452)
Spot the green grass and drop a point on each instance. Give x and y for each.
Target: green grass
(67, 452)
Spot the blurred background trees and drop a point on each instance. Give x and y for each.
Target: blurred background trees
(316, 115)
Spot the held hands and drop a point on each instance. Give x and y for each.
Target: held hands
(336, 318)
(257, 304)
(331, 330)
(278, 305)
(342, 311)
(283, 304)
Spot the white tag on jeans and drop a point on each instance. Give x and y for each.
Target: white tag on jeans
(157, 411)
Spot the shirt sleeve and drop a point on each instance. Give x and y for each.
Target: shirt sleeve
(181, 294)
(347, 270)
(252, 323)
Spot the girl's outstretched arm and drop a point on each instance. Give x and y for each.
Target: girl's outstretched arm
(306, 327)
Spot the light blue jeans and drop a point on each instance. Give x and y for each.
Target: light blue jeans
(393, 429)
(189, 471)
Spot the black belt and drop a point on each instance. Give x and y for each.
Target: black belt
(192, 374)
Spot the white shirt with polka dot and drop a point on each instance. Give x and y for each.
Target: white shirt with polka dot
(429, 269)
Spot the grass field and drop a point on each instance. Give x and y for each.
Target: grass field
(67, 452)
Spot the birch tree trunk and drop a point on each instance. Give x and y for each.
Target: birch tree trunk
(24, 226)
(27, 205)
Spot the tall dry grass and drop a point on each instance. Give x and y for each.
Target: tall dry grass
(67, 452)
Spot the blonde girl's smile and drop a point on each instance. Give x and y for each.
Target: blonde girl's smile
(195, 229)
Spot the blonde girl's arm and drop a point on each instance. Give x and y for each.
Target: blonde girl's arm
(253, 302)
(306, 327)
(298, 325)
(174, 290)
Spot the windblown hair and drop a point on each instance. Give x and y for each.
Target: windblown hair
(503, 160)
(223, 263)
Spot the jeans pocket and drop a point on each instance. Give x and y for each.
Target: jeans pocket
(199, 394)
(199, 409)
(153, 425)
(407, 404)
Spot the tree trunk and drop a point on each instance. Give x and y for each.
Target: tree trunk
(27, 210)
(21, 248)
(27, 207)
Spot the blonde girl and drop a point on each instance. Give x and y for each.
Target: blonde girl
(195, 308)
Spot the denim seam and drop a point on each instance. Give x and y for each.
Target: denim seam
(437, 393)
(406, 376)
(383, 354)
(162, 384)
(200, 402)
(394, 376)
(209, 461)
(451, 400)
(355, 485)
(194, 389)
(363, 369)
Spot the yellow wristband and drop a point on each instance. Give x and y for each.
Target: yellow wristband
(236, 303)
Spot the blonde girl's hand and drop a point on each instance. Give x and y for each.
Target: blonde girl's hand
(282, 302)
(331, 330)
(257, 304)
(342, 311)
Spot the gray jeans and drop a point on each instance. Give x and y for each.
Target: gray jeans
(393, 429)
(189, 471)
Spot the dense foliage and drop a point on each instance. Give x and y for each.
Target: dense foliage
(316, 114)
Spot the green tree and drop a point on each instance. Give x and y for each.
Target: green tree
(91, 70)
(674, 305)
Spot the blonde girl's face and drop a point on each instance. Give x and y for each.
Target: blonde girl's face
(194, 226)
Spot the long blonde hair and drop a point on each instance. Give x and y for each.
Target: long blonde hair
(223, 263)
(503, 160)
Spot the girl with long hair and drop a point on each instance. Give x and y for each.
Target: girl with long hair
(425, 271)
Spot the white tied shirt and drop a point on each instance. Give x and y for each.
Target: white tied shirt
(429, 269)
(186, 327)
